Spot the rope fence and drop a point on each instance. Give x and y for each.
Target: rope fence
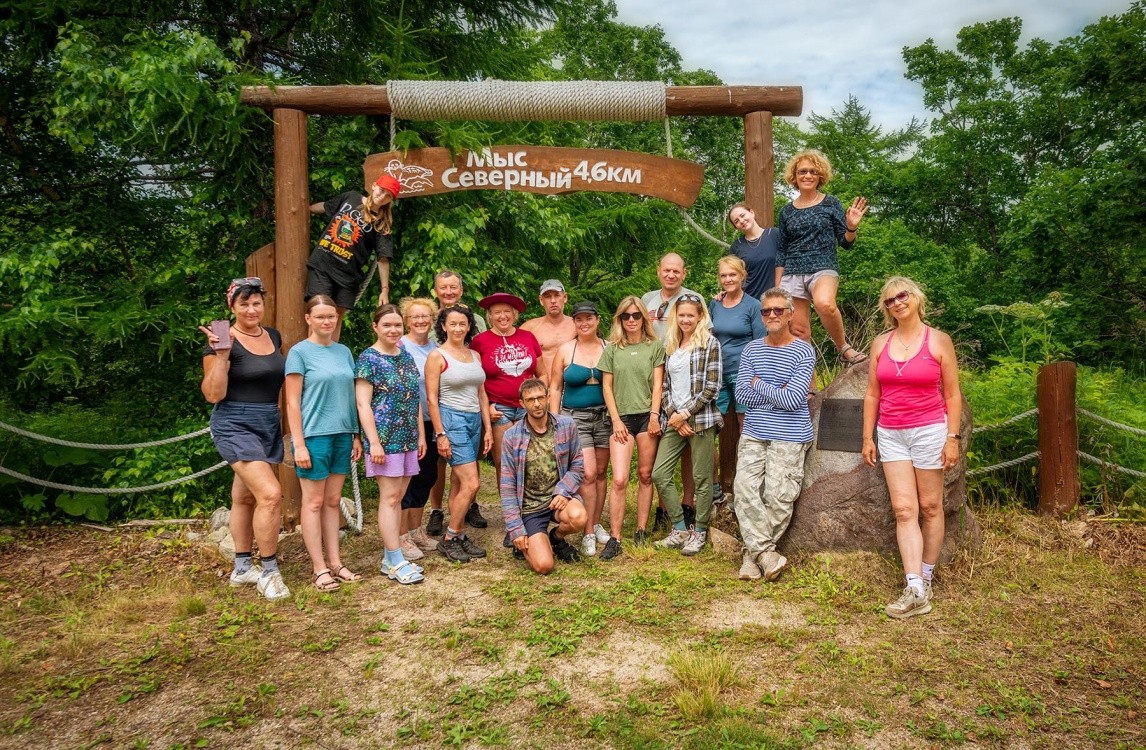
(101, 446)
(112, 490)
(1112, 423)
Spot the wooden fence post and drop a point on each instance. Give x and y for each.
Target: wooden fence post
(1058, 439)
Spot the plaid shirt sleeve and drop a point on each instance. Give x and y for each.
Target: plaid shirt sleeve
(706, 380)
(510, 486)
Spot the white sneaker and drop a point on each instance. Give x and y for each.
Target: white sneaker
(589, 544)
(675, 540)
(272, 586)
(772, 563)
(250, 578)
(409, 549)
(908, 604)
(695, 543)
(749, 570)
(602, 536)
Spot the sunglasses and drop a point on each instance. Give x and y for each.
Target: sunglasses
(690, 298)
(631, 316)
(251, 281)
(901, 297)
(807, 171)
(773, 312)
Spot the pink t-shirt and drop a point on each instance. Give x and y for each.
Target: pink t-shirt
(910, 393)
(508, 362)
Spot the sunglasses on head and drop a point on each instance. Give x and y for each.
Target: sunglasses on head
(895, 300)
(631, 316)
(773, 312)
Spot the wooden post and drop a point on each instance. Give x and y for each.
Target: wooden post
(292, 248)
(1058, 439)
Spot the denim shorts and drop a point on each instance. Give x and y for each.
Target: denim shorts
(593, 426)
(247, 432)
(726, 395)
(538, 523)
(403, 464)
(509, 414)
(922, 446)
(463, 430)
(799, 285)
(329, 454)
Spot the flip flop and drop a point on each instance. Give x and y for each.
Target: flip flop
(346, 575)
(331, 584)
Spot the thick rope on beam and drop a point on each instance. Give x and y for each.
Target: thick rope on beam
(527, 100)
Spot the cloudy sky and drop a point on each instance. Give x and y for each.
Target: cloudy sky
(834, 48)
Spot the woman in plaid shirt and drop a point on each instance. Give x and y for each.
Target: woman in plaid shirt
(692, 380)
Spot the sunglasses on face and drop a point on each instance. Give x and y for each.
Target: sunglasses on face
(631, 316)
(901, 297)
(807, 171)
(773, 312)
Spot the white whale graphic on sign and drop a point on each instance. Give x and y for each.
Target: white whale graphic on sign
(412, 178)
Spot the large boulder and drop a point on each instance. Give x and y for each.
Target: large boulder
(844, 503)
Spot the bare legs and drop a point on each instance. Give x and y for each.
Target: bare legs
(463, 490)
(917, 499)
(571, 520)
(321, 518)
(256, 507)
(390, 492)
(621, 456)
(596, 460)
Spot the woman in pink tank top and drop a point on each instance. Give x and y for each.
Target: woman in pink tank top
(913, 404)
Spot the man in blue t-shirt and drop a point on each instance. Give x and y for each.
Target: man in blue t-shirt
(772, 384)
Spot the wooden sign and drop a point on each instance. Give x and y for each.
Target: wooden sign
(539, 169)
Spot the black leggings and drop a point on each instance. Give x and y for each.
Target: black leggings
(418, 492)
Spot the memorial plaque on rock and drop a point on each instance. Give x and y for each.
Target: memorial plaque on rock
(841, 425)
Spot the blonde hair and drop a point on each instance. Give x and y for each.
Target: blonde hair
(407, 303)
(703, 330)
(617, 331)
(895, 285)
(818, 160)
(380, 217)
(736, 263)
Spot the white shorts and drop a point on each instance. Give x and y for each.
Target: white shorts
(922, 446)
(799, 285)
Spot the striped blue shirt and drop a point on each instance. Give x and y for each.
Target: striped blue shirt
(778, 403)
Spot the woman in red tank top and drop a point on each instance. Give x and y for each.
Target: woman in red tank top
(914, 404)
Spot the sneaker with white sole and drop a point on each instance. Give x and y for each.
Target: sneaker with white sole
(249, 578)
(909, 604)
(772, 563)
(410, 550)
(589, 545)
(272, 587)
(749, 570)
(602, 535)
(675, 540)
(695, 543)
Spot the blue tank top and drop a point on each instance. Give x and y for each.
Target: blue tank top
(579, 393)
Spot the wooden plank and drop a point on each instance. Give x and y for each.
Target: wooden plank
(759, 166)
(734, 101)
(539, 169)
(292, 248)
(261, 263)
(1058, 439)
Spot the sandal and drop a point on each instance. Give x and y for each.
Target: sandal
(405, 573)
(857, 357)
(331, 584)
(346, 575)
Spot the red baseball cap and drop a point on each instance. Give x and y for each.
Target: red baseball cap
(390, 184)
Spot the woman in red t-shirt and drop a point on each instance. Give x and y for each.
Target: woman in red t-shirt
(914, 402)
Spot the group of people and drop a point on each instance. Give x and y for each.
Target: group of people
(554, 404)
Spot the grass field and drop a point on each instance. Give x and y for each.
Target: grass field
(134, 639)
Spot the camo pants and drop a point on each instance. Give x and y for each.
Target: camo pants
(768, 477)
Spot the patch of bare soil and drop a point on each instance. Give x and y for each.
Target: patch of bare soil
(737, 612)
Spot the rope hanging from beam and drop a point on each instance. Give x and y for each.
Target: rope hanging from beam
(506, 101)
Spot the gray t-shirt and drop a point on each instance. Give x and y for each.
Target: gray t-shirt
(659, 309)
(459, 382)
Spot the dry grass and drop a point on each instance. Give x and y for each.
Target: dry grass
(135, 640)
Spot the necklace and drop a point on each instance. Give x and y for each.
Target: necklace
(900, 366)
(252, 335)
(754, 242)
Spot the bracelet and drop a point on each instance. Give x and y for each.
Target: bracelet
(853, 231)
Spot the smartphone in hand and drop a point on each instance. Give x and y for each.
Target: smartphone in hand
(222, 329)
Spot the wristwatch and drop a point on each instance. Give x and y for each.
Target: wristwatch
(956, 435)
(439, 435)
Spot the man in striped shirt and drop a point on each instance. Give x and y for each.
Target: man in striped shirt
(772, 384)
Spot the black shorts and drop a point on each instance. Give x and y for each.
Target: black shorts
(636, 423)
(538, 523)
(318, 282)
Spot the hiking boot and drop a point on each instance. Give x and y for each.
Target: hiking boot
(661, 520)
(640, 537)
(437, 519)
(563, 550)
(471, 548)
(611, 550)
(249, 578)
(272, 587)
(453, 551)
(410, 551)
(675, 540)
(749, 570)
(518, 554)
(771, 564)
(589, 544)
(908, 604)
(423, 542)
(689, 515)
(717, 494)
(601, 534)
(506, 541)
(695, 543)
(475, 518)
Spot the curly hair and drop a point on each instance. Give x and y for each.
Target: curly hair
(818, 160)
(440, 323)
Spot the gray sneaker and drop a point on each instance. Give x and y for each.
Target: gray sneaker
(695, 543)
(909, 604)
(272, 586)
(772, 563)
(675, 540)
(602, 535)
(249, 578)
(749, 570)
